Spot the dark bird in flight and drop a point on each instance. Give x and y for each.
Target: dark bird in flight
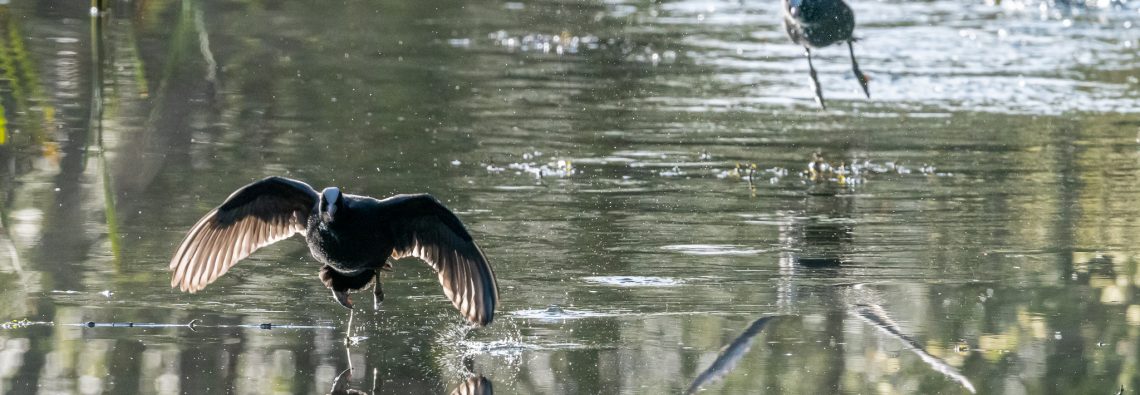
(353, 236)
(817, 24)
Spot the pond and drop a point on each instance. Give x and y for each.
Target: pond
(635, 171)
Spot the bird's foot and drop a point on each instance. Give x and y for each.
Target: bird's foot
(341, 296)
(864, 81)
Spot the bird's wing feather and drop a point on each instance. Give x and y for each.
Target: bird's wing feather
(730, 355)
(257, 215)
(422, 227)
(477, 385)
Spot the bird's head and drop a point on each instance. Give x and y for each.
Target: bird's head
(331, 201)
(794, 7)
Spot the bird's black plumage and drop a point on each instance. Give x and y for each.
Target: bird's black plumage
(353, 236)
(817, 24)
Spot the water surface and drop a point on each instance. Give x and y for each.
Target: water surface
(593, 149)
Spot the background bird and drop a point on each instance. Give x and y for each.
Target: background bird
(817, 24)
(353, 236)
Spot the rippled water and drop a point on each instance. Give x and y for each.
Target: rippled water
(635, 171)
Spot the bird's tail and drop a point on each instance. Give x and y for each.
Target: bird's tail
(341, 284)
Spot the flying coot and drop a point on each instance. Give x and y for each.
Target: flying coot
(817, 24)
(353, 236)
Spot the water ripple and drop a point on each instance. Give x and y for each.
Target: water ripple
(634, 281)
(713, 249)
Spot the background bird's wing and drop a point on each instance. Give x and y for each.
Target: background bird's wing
(422, 227)
(730, 355)
(257, 215)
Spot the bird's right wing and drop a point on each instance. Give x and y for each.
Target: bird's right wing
(257, 215)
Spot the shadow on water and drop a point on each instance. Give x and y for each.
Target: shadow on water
(825, 234)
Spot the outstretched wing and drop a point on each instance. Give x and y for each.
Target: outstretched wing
(257, 215)
(422, 227)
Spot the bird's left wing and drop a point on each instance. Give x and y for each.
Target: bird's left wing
(257, 215)
(422, 227)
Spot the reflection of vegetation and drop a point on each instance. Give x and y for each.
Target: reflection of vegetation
(109, 211)
(24, 85)
(95, 121)
(3, 125)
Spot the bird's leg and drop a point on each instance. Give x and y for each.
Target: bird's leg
(348, 333)
(377, 293)
(814, 80)
(858, 74)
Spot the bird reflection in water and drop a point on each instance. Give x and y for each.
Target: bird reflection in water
(823, 236)
(476, 385)
(726, 361)
(825, 242)
(473, 385)
(817, 24)
(341, 382)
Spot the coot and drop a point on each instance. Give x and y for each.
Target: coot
(817, 24)
(353, 236)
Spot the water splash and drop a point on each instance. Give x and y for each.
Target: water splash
(559, 169)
